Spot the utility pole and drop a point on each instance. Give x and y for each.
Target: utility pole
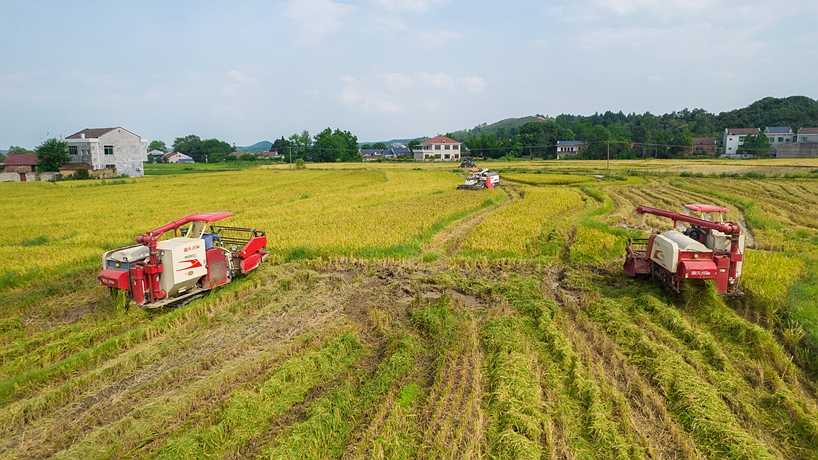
(608, 162)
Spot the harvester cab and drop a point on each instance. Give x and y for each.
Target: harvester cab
(479, 180)
(698, 248)
(200, 256)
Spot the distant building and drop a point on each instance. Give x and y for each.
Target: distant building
(177, 157)
(155, 156)
(569, 149)
(704, 146)
(115, 149)
(439, 148)
(271, 154)
(779, 135)
(734, 138)
(372, 154)
(808, 136)
(23, 165)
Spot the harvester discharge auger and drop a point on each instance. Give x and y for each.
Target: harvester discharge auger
(705, 249)
(156, 273)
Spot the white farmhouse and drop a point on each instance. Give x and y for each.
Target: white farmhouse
(734, 138)
(114, 149)
(779, 135)
(439, 148)
(808, 136)
(178, 157)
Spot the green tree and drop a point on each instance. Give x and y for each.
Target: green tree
(189, 145)
(207, 150)
(52, 154)
(17, 149)
(335, 145)
(379, 145)
(756, 144)
(157, 145)
(300, 144)
(413, 145)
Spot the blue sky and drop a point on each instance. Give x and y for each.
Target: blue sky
(385, 68)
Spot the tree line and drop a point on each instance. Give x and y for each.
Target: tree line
(638, 135)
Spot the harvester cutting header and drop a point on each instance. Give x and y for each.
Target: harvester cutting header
(156, 273)
(706, 249)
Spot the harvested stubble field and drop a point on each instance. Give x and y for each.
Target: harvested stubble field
(400, 318)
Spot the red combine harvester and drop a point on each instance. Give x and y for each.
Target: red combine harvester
(707, 249)
(156, 273)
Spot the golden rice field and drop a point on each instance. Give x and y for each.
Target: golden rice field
(401, 318)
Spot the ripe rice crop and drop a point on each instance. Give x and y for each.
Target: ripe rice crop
(402, 318)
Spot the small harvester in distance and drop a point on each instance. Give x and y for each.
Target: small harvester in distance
(706, 248)
(200, 256)
(467, 163)
(480, 180)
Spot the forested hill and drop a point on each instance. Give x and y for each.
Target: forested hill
(536, 135)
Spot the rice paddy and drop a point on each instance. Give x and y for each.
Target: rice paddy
(401, 318)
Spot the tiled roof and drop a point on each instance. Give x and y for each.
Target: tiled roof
(90, 133)
(22, 159)
(808, 131)
(440, 140)
(741, 131)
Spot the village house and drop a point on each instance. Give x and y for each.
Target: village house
(155, 156)
(439, 148)
(734, 138)
(116, 150)
(704, 146)
(806, 145)
(808, 135)
(177, 157)
(779, 135)
(20, 167)
(569, 149)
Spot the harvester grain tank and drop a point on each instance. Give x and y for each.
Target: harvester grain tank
(705, 249)
(199, 257)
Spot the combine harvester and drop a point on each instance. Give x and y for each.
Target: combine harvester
(157, 273)
(480, 179)
(707, 249)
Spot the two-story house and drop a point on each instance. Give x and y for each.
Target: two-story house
(779, 135)
(569, 149)
(439, 148)
(734, 138)
(112, 149)
(808, 136)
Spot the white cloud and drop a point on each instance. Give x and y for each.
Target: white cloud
(316, 20)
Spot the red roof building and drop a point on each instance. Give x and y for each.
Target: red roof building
(20, 162)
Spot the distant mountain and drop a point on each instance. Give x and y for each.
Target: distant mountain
(262, 146)
(508, 123)
(392, 141)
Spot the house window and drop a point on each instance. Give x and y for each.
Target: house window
(447, 147)
(111, 167)
(72, 150)
(437, 146)
(456, 147)
(109, 149)
(780, 139)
